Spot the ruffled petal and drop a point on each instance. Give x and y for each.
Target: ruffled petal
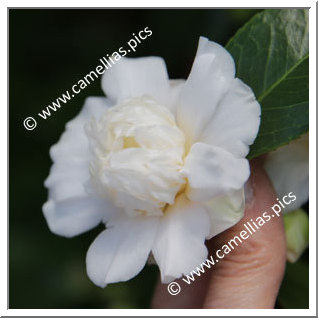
(176, 86)
(213, 171)
(288, 169)
(235, 123)
(120, 252)
(74, 216)
(71, 208)
(179, 246)
(211, 75)
(133, 77)
(225, 211)
(70, 155)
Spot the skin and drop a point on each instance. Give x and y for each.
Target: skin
(249, 276)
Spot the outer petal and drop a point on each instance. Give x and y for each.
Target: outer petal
(179, 246)
(235, 124)
(288, 168)
(176, 87)
(73, 144)
(212, 171)
(132, 77)
(225, 211)
(71, 217)
(121, 251)
(70, 209)
(211, 76)
(70, 170)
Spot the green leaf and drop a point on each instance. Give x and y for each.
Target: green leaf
(294, 291)
(271, 56)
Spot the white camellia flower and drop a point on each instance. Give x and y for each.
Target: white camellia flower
(288, 169)
(161, 163)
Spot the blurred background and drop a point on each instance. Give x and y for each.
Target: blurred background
(49, 51)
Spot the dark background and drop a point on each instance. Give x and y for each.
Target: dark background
(49, 51)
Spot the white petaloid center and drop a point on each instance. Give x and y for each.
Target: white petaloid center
(137, 156)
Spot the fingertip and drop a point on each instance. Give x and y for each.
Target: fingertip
(251, 274)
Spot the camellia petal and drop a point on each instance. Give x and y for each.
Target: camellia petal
(225, 211)
(70, 170)
(213, 171)
(288, 169)
(235, 123)
(73, 143)
(137, 77)
(74, 216)
(176, 87)
(211, 76)
(120, 252)
(70, 210)
(179, 246)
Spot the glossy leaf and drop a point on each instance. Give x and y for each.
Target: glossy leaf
(271, 56)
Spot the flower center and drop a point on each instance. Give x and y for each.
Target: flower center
(137, 156)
